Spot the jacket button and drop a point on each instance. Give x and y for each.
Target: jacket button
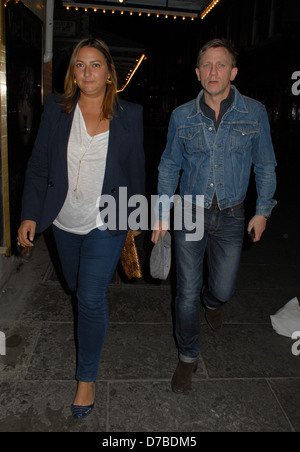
(113, 190)
(50, 183)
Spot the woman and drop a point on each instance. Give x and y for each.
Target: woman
(89, 144)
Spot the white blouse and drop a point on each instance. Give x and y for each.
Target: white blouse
(80, 212)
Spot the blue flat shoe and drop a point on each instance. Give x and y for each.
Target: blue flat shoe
(80, 412)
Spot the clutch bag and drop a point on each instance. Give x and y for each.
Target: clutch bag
(130, 258)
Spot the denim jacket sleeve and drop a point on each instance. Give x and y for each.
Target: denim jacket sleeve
(264, 164)
(168, 172)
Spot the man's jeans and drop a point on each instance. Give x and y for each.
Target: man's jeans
(88, 263)
(222, 242)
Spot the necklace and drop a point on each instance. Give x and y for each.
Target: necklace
(82, 154)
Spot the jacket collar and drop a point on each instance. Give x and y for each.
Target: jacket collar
(238, 103)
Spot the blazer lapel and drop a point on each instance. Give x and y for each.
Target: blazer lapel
(64, 130)
(117, 142)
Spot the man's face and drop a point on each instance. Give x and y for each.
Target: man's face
(215, 72)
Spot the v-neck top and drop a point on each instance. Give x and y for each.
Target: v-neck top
(80, 212)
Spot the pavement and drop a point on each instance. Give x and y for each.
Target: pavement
(248, 379)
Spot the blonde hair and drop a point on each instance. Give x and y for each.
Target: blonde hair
(218, 42)
(71, 89)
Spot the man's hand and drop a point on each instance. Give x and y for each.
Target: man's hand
(258, 224)
(159, 228)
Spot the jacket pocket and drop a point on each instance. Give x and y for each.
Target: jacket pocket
(242, 134)
(192, 140)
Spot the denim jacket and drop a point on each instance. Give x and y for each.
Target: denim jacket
(209, 162)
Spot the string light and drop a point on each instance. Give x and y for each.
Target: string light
(209, 8)
(139, 11)
(132, 72)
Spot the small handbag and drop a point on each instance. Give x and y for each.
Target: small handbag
(160, 258)
(130, 258)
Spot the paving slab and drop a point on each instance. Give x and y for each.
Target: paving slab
(212, 406)
(45, 406)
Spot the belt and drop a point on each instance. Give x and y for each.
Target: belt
(216, 207)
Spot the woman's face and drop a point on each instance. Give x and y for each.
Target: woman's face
(91, 71)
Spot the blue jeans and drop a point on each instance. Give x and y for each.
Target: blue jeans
(222, 241)
(88, 263)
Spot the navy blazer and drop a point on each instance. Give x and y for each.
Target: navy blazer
(46, 182)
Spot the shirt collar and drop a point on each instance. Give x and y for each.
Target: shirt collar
(225, 104)
(238, 103)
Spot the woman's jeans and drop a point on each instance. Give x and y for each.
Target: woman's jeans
(222, 241)
(88, 263)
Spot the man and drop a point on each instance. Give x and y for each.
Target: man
(213, 141)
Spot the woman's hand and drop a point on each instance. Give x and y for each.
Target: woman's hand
(26, 233)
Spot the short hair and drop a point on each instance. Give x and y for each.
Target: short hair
(71, 90)
(218, 42)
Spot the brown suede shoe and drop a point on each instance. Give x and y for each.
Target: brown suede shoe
(182, 378)
(214, 318)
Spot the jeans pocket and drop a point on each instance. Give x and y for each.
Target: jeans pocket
(238, 213)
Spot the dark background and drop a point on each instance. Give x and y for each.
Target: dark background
(266, 34)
